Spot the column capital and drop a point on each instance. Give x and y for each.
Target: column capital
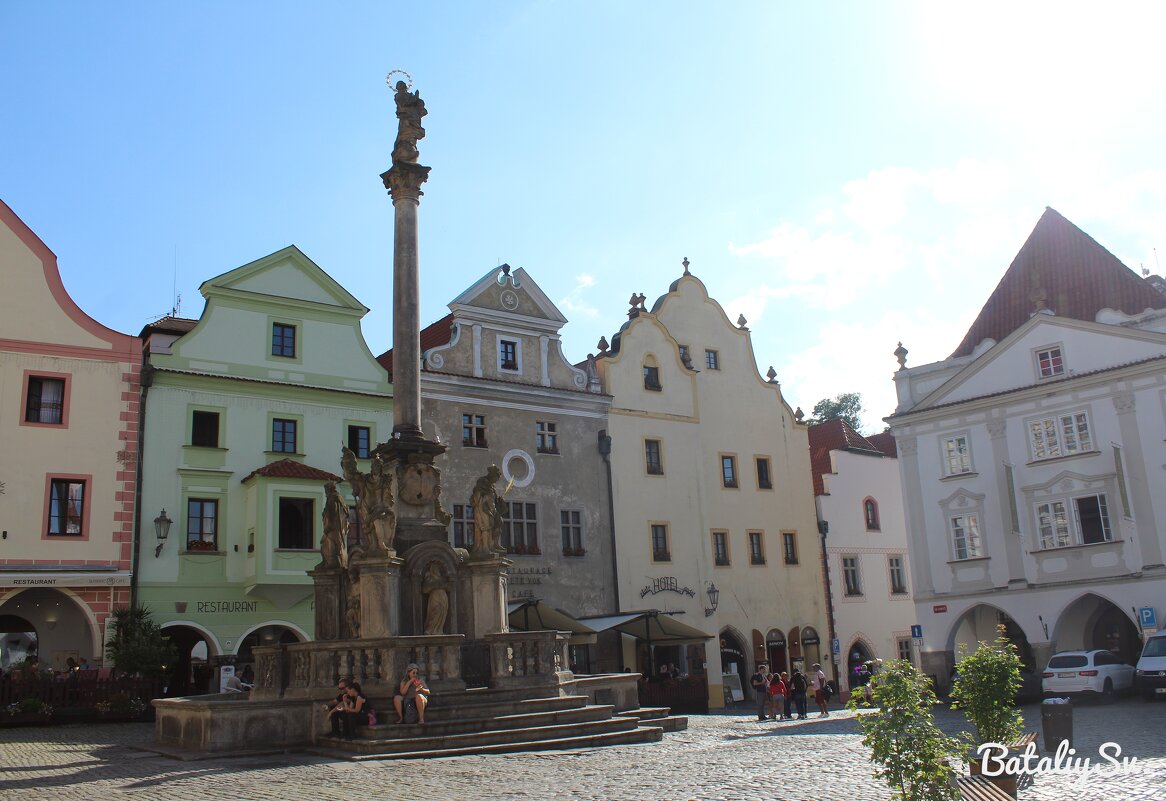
(403, 180)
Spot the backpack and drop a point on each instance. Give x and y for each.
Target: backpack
(828, 690)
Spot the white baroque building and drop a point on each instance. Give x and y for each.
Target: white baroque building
(1032, 460)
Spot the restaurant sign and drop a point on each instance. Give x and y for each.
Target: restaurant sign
(64, 579)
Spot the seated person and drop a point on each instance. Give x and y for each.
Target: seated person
(335, 710)
(411, 690)
(355, 711)
(248, 678)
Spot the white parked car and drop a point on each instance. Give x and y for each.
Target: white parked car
(1098, 672)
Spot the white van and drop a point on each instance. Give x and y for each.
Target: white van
(1150, 676)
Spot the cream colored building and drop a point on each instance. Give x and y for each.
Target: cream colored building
(711, 489)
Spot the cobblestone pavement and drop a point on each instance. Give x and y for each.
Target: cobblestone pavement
(721, 756)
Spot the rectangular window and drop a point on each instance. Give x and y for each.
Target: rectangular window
(520, 527)
(721, 548)
(204, 429)
(660, 551)
(296, 524)
(571, 527)
(965, 537)
(283, 436)
(652, 461)
(957, 456)
(1050, 362)
(66, 507)
(1093, 519)
(652, 378)
(898, 575)
(546, 436)
(712, 360)
(789, 547)
(850, 577)
(729, 471)
(685, 358)
(1063, 435)
(474, 430)
(463, 525)
(507, 354)
(45, 403)
(756, 548)
(283, 340)
(360, 441)
(904, 647)
(763, 479)
(1053, 524)
(202, 524)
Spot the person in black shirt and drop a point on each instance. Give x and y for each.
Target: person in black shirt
(759, 681)
(335, 710)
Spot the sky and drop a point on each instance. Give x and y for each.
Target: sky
(846, 175)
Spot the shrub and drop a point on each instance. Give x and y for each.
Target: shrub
(914, 755)
(137, 644)
(29, 706)
(985, 687)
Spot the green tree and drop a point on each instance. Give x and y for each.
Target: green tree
(985, 688)
(137, 644)
(914, 755)
(847, 407)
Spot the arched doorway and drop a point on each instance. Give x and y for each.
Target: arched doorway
(271, 634)
(979, 624)
(794, 643)
(857, 655)
(811, 646)
(192, 673)
(56, 626)
(734, 659)
(18, 640)
(1092, 622)
(776, 651)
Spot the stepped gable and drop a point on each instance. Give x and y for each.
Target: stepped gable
(438, 333)
(287, 468)
(1076, 276)
(835, 435)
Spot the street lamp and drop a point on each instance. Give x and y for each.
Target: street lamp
(714, 596)
(162, 529)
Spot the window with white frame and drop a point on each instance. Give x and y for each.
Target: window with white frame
(45, 401)
(850, 578)
(957, 455)
(1062, 435)
(904, 647)
(898, 575)
(1050, 362)
(520, 527)
(1087, 525)
(965, 537)
(571, 527)
(546, 436)
(756, 548)
(508, 354)
(712, 360)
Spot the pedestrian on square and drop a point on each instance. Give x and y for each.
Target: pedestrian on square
(759, 681)
(777, 694)
(800, 684)
(787, 708)
(818, 679)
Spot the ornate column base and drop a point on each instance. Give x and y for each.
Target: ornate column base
(329, 602)
(380, 596)
(420, 517)
(487, 595)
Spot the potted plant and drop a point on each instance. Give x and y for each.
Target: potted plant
(914, 755)
(137, 644)
(984, 689)
(28, 710)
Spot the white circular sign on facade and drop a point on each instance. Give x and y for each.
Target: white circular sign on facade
(518, 459)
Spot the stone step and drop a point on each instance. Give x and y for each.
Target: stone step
(433, 728)
(642, 734)
(461, 706)
(669, 724)
(482, 738)
(647, 712)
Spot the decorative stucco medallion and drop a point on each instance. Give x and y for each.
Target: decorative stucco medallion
(509, 300)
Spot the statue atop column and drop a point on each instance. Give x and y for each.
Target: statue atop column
(375, 508)
(410, 110)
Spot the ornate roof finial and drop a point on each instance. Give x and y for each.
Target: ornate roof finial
(685, 263)
(799, 415)
(901, 355)
(603, 346)
(741, 321)
(771, 375)
(506, 269)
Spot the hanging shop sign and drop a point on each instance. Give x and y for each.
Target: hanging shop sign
(666, 584)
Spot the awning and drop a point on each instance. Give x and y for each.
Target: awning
(534, 615)
(657, 628)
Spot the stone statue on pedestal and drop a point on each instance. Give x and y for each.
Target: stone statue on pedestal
(488, 515)
(334, 544)
(434, 587)
(375, 510)
(410, 110)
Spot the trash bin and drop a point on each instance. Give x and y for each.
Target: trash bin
(1056, 717)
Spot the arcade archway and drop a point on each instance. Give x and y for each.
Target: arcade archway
(55, 627)
(979, 624)
(18, 640)
(1092, 622)
(857, 655)
(192, 673)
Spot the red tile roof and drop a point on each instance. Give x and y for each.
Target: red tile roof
(1078, 278)
(439, 333)
(885, 442)
(289, 468)
(835, 435)
(169, 325)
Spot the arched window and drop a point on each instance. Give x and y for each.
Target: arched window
(870, 513)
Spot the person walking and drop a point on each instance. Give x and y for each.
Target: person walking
(759, 681)
(800, 684)
(818, 680)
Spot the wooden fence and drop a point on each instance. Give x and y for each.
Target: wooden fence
(76, 694)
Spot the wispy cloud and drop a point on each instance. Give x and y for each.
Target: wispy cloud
(573, 304)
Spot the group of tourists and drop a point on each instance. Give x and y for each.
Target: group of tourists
(352, 709)
(779, 695)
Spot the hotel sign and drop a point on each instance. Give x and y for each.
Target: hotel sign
(65, 579)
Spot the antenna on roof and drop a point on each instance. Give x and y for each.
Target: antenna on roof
(1145, 272)
(176, 309)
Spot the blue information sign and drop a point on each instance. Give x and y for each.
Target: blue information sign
(916, 631)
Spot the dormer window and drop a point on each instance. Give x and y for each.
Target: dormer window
(508, 355)
(1050, 362)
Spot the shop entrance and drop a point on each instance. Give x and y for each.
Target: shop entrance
(192, 673)
(775, 651)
